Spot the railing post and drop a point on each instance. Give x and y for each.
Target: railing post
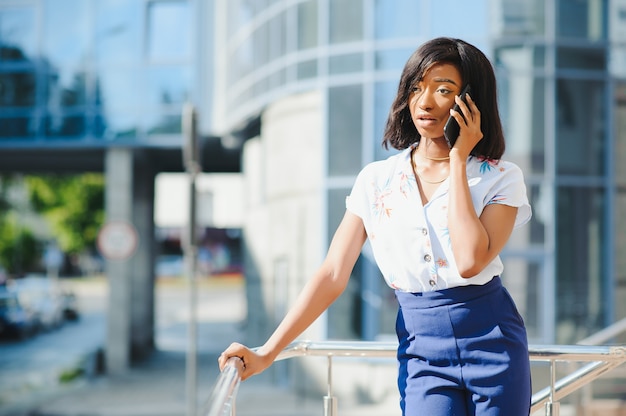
(553, 408)
(330, 402)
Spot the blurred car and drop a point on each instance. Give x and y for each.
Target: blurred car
(44, 297)
(15, 320)
(170, 265)
(70, 306)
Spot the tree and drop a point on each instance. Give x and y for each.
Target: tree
(19, 249)
(73, 205)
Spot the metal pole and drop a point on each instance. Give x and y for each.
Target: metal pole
(330, 402)
(190, 157)
(553, 408)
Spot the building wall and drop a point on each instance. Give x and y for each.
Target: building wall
(284, 183)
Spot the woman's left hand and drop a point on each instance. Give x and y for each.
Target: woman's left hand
(470, 133)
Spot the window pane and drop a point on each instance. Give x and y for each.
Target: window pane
(66, 88)
(620, 201)
(520, 58)
(118, 31)
(405, 15)
(165, 87)
(619, 100)
(542, 202)
(577, 58)
(119, 90)
(522, 279)
(18, 127)
(162, 124)
(384, 95)
(115, 126)
(17, 89)
(344, 64)
(65, 29)
(261, 46)
(345, 312)
(617, 61)
(522, 109)
(617, 35)
(307, 24)
(393, 59)
(169, 30)
(307, 69)
(346, 21)
(581, 19)
(17, 34)
(65, 125)
(345, 131)
(277, 37)
(580, 127)
(580, 244)
(519, 17)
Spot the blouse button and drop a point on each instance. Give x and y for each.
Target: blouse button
(425, 231)
(432, 282)
(427, 257)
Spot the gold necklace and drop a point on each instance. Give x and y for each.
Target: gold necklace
(436, 159)
(416, 173)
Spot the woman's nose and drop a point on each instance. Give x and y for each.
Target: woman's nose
(424, 101)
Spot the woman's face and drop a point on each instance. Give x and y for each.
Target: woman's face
(431, 99)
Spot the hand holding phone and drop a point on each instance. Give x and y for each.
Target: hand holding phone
(451, 130)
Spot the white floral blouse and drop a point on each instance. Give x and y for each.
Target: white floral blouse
(409, 240)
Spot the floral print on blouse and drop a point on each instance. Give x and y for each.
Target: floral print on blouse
(410, 241)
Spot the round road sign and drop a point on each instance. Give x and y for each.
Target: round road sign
(117, 240)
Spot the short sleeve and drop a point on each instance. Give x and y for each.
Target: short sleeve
(511, 191)
(358, 202)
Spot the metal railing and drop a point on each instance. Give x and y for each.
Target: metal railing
(221, 402)
(598, 359)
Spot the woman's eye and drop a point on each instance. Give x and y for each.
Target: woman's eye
(415, 89)
(444, 91)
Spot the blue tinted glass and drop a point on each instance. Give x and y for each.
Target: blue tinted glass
(65, 87)
(66, 30)
(118, 31)
(163, 124)
(398, 19)
(394, 59)
(115, 126)
(462, 19)
(169, 30)
(17, 89)
(385, 93)
(307, 24)
(17, 34)
(17, 127)
(345, 130)
(582, 19)
(580, 127)
(345, 21)
(165, 86)
(65, 125)
(118, 90)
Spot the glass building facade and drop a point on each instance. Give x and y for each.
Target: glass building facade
(100, 73)
(562, 87)
(97, 73)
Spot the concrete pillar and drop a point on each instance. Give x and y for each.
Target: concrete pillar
(142, 279)
(129, 198)
(118, 207)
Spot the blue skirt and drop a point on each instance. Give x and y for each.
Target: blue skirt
(462, 351)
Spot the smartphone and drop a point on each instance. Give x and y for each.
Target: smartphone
(451, 129)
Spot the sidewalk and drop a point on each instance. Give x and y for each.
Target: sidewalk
(157, 387)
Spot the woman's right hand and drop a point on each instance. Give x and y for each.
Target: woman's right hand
(254, 362)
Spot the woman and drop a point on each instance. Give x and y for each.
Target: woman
(437, 218)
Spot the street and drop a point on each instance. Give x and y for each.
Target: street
(36, 364)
